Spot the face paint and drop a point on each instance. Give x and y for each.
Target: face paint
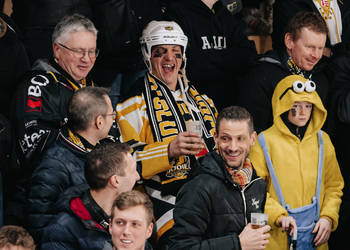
(159, 52)
(178, 56)
(294, 112)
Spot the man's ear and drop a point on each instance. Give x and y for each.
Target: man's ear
(288, 41)
(110, 226)
(253, 138)
(149, 230)
(99, 121)
(55, 49)
(113, 180)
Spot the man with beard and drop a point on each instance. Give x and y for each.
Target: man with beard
(213, 210)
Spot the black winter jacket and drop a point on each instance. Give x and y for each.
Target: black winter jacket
(39, 110)
(75, 227)
(13, 63)
(340, 118)
(120, 24)
(218, 50)
(257, 87)
(61, 167)
(211, 210)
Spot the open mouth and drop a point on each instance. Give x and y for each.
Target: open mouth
(127, 242)
(233, 155)
(168, 67)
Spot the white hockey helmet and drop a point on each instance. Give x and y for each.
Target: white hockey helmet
(162, 32)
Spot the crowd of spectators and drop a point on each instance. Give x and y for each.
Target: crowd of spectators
(98, 99)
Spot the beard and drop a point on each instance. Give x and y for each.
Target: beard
(232, 165)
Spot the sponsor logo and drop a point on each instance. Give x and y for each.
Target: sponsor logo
(180, 169)
(169, 28)
(33, 104)
(29, 140)
(255, 203)
(37, 81)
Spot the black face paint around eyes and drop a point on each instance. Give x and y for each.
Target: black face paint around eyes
(159, 52)
(178, 56)
(294, 112)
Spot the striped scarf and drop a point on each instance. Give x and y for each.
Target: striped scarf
(243, 176)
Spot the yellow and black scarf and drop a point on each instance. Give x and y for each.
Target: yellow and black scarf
(75, 140)
(167, 119)
(295, 70)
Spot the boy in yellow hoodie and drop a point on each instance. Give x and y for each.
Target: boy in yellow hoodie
(298, 162)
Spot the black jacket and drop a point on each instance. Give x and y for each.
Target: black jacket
(61, 167)
(71, 228)
(211, 210)
(218, 50)
(39, 110)
(120, 24)
(340, 125)
(13, 63)
(257, 87)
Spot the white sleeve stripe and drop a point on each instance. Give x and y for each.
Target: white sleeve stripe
(164, 219)
(155, 150)
(157, 195)
(130, 102)
(150, 157)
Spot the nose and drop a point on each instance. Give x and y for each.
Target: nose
(317, 53)
(167, 55)
(86, 56)
(233, 145)
(126, 230)
(137, 176)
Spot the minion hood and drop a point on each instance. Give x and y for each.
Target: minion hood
(295, 88)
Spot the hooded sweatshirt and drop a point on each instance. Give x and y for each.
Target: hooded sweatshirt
(218, 50)
(295, 162)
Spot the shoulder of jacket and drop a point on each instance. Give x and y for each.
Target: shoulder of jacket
(63, 153)
(40, 78)
(136, 91)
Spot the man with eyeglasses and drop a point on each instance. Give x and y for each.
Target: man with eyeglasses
(90, 117)
(40, 104)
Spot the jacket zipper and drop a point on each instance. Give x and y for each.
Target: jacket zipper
(244, 200)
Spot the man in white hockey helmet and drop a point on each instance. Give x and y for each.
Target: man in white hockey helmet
(154, 117)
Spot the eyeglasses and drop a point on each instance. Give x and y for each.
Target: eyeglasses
(114, 115)
(79, 53)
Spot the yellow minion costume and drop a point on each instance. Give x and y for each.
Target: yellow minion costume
(306, 169)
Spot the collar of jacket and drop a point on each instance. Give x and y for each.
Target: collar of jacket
(80, 210)
(74, 140)
(96, 212)
(213, 164)
(72, 83)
